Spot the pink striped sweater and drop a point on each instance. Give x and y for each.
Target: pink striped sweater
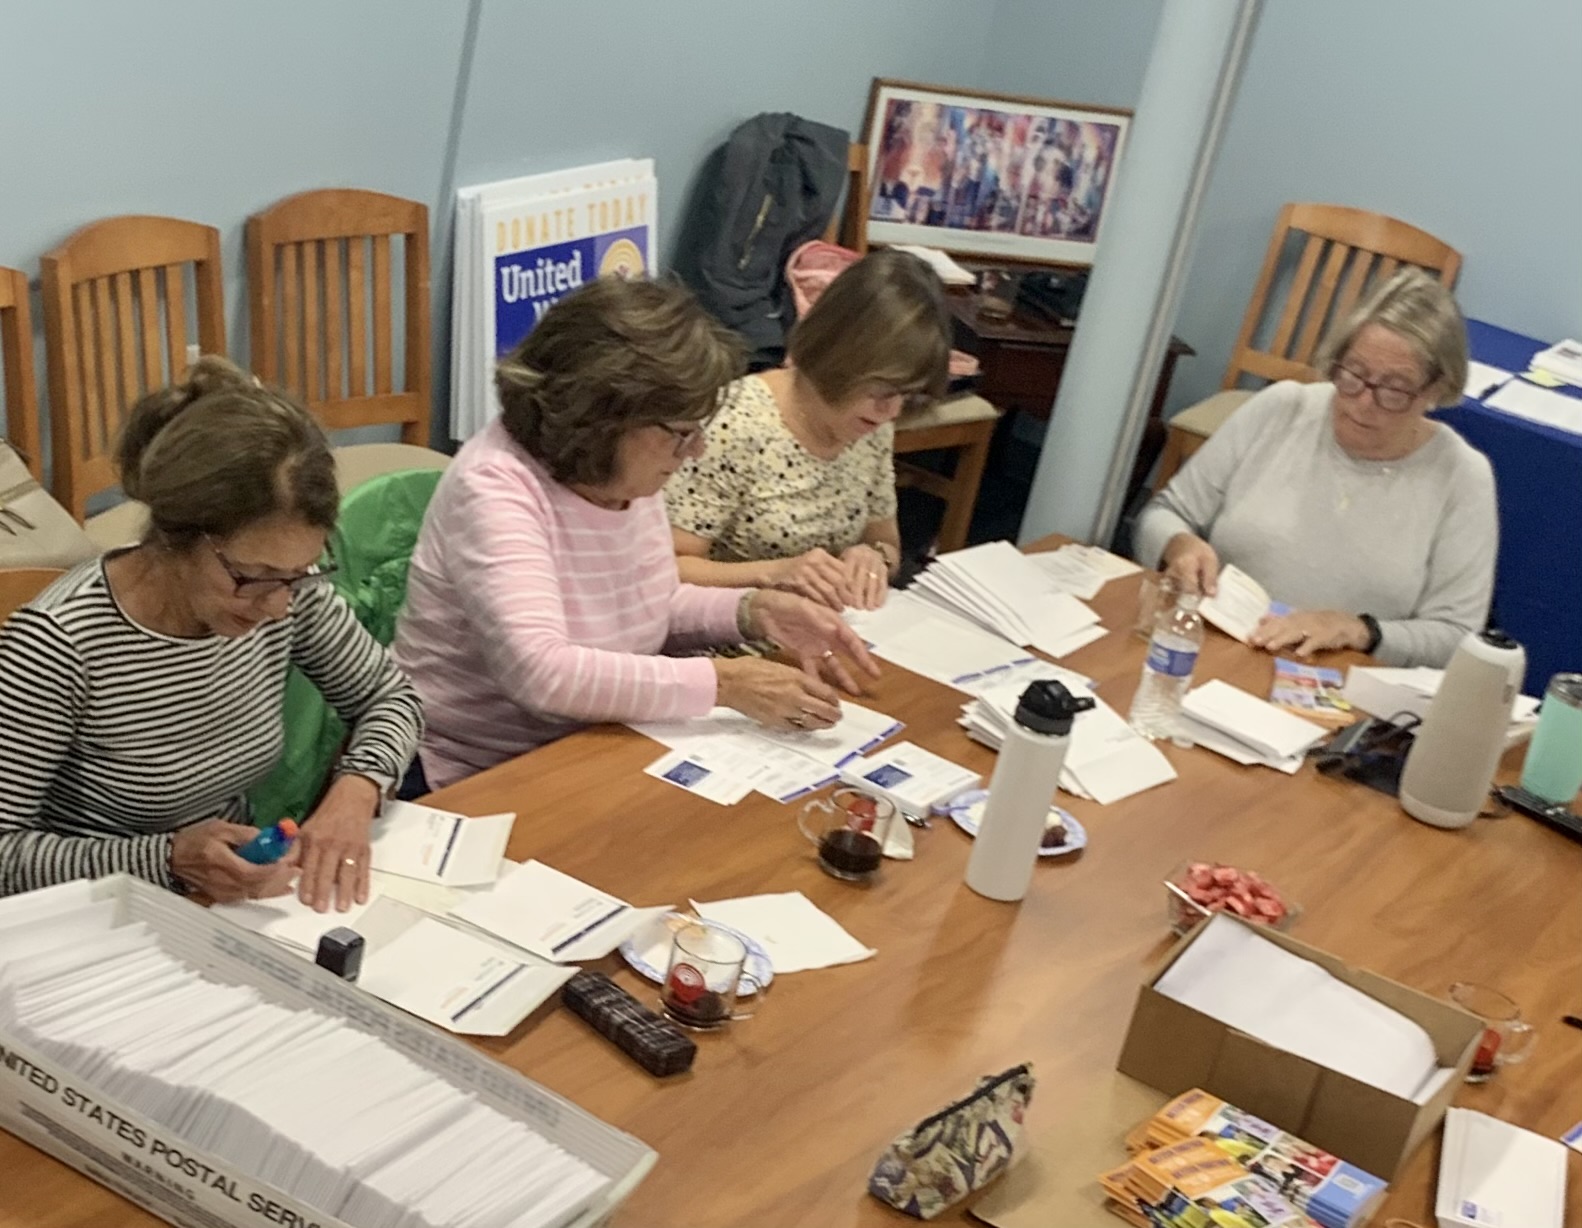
(532, 612)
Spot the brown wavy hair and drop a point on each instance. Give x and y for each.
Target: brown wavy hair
(610, 356)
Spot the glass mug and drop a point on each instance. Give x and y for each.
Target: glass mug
(1507, 1038)
(1553, 769)
(849, 827)
(704, 978)
(1157, 593)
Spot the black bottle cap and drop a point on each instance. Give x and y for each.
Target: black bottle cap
(1047, 707)
(1495, 638)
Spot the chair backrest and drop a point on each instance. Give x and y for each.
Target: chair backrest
(320, 273)
(1343, 252)
(849, 227)
(116, 301)
(19, 585)
(20, 388)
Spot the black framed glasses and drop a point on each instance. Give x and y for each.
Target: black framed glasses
(1392, 398)
(266, 586)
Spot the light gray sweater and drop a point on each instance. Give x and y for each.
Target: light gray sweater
(1411, 541)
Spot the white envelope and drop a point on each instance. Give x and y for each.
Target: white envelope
(553, 915)
(437, 846)
(1273, 732)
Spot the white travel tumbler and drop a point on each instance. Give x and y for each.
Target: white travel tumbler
(1022, 790)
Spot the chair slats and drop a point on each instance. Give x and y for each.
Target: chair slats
(381, 316)
(22, 426)
(334, 343)
(1323, 298)
(175, 285)
(1343, 253)
(322, 271)
(114, 301)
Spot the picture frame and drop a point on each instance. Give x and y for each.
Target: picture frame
(998, 176)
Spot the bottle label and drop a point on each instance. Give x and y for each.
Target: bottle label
(1176, 662)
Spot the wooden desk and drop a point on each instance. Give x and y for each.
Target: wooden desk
(1023, 359)
(783, 1116)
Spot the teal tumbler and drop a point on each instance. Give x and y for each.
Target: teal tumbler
(1554, 760)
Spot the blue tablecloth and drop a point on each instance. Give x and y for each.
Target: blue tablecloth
(1538, 469)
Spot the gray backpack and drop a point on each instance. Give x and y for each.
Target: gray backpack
(770, 188)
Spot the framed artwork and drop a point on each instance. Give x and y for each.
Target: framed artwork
(992, 175)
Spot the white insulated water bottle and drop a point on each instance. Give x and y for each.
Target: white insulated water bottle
(1453, 757)
(1022, 790)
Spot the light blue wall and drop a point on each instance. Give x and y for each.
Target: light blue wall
(211, 109)
(1457, 115)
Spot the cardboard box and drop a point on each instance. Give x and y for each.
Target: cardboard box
(73, 1121)
(1174, 1048)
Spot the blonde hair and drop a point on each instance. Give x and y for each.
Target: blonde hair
(612, 355)
(218, 452)
(883, 320)
(1418, 308)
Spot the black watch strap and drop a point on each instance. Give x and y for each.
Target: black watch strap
(1375, 632)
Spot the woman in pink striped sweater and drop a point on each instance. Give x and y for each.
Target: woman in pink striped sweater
(543, 594)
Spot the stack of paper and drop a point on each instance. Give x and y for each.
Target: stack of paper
(913, 779)
(1239, 603)
(1482, 379)
(326, 1114)
(795, 932)
(1232, 974)
(1492, 1173)
(1082, 570)
(1106, 759)
(726, 755)
(1543, 405)
(951, 273)
(1562, 360)
(521, 244)
(1247, 729)
(437, 846)
(999, 588)
(920, 636)
(1385, 692)
(554, 916)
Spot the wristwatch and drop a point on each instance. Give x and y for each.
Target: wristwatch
(1375, 632)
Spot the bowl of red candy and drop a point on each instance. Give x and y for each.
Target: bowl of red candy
(1199, 889)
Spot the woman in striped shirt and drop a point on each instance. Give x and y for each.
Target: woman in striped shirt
(543, 593)
(141, 694)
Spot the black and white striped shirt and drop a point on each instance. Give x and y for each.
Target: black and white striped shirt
(113, 736)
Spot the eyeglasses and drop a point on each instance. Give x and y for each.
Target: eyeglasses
(686, 436)
(267, 586)
(912, 399)
(1391, 398)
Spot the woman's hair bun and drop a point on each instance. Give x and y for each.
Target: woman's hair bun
(212, 373)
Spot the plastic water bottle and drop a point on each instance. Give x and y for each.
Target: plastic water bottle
(269, 845)
(1020, 793)
(1167, 671)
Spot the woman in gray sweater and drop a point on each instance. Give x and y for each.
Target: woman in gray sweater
(1374, 524)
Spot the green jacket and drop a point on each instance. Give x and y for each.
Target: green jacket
(372, 546)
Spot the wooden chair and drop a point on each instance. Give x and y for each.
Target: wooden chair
(1344, 253)
(22, 426)
(962, 425)
(19, 585)
(116, 300)
(320, 275)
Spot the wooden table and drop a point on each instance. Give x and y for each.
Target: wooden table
(783, 1116)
